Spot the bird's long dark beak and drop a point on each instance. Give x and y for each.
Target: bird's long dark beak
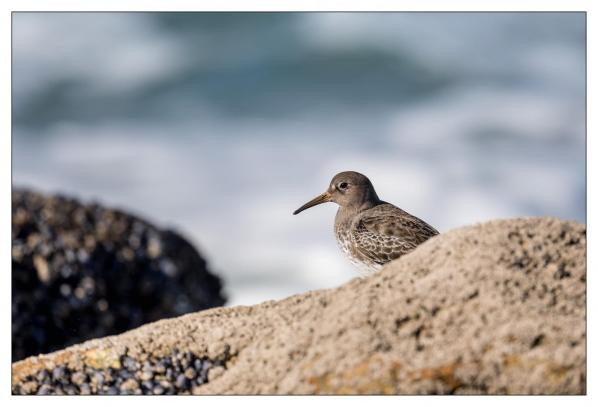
(325, 197)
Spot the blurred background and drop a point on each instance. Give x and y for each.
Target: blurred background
(220, 125)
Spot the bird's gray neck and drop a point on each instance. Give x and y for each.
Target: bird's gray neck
(346, 214)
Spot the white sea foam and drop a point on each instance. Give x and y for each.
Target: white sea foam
(503, 138)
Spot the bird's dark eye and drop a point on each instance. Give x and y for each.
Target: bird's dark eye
(343, 185)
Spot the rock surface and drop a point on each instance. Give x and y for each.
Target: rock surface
(496, 308)
(85, 271)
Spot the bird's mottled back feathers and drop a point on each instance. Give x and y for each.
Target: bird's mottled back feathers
(386, 232)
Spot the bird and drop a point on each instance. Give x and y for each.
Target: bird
(371, 232)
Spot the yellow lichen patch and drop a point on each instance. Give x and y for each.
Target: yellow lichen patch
(554, 372)
(444, 374)
(512, 360)
(371, 376)
(102, 359)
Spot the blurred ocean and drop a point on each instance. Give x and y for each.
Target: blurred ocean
(220, 125)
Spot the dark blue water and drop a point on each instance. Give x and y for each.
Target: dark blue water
(220, 125)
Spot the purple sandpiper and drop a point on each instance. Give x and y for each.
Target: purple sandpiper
(369, 231)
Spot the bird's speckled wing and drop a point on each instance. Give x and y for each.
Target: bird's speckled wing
(386, 232)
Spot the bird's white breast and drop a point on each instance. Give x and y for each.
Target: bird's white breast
(345, 243)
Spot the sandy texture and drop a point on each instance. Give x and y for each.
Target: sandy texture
(492, 308)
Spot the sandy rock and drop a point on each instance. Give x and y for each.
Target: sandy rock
(496, 308)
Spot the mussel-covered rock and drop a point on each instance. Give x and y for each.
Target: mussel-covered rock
(82, 271)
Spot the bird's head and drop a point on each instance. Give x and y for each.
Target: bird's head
(348, 189)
